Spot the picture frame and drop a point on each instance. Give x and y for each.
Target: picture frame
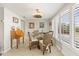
(15, 20)
(41, 24)
(31, 25)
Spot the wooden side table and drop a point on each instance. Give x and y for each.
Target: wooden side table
(14, 36)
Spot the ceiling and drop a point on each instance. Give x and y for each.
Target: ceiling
(26, 9)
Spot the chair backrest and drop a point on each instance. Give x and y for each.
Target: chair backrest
(51, 32)
(47, 39)
(35, 33)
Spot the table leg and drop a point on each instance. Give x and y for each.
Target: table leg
(17, 43)
(23, 40)
(11, 43)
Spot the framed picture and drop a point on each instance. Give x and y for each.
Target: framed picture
(41, 24)
(31, 25)
(15, 20)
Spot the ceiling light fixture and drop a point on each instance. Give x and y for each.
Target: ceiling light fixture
(37, 14)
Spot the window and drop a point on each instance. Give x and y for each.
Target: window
(65, 27)
(76, 26)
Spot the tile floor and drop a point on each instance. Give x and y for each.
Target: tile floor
(22, 51)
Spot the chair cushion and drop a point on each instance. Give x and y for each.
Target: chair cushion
(41, 41)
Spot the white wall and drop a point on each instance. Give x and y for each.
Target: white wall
(1, 13)
(1, 35)
(1, 28)
(8, 23)
(67, 49)
(50, 26)
(36, 22)
(55, 29)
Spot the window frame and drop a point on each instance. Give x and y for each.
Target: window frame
(75, 7)
(67, 11)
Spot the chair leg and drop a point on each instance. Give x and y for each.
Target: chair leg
(11, 43)
(50, 49)
(30, 47)
(51, 42)
(43, 52)
(44, 49)
(0, 54)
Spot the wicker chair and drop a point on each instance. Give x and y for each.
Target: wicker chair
(32, 43)
(45, 44)
(51, 34)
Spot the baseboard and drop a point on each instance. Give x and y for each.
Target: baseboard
(6, 50)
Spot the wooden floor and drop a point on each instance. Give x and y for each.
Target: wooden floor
(22, 51)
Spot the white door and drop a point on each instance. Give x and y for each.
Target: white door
(1, 35)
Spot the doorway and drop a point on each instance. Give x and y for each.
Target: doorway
(23, 29)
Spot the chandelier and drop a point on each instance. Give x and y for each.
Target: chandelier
(37, 14)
